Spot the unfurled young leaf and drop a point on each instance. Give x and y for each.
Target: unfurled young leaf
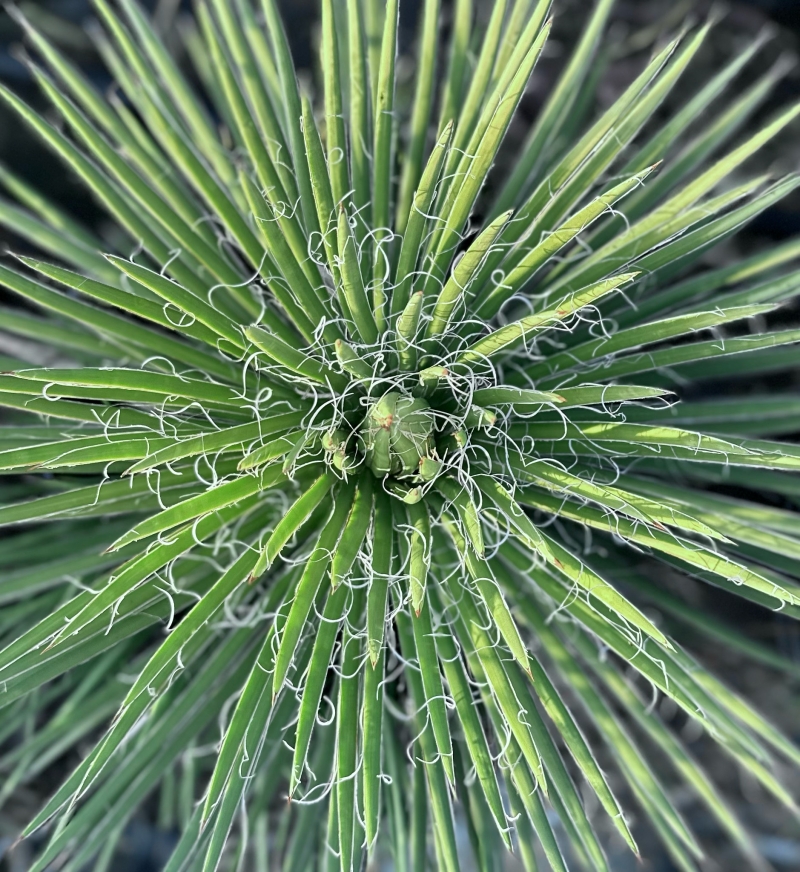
(363, 446)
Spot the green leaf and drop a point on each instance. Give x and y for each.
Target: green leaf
(512, 334)
(354, 532)
(294, 518)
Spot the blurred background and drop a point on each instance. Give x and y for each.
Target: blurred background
(636, 23)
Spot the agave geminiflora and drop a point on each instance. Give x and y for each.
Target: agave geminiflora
(307, 509)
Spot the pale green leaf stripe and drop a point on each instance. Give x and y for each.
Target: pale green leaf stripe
(352, 282)
(138, 776)
(293, 360)
(57, 242)
(407, 327)
(417, 222)
(512, 513)
(591, 395)
(647, 334)
(723, 128)
(147, 309)
(467, 268)
(309, 585)
(335, 135)
(162, 94)
(253, 708)
(348, 547)
(713, 511)
(770, 455)
(693, 553)
(82, 776)
(212, 500)
(469, 110)
(646, 236)
(294, 111)
(722, 415)
(270, 175)
(420, 117)
(218, 187)
(26, 668)
(441, 809)
(372, 746)
(189, 242)
(230, 438)
(80, 451)
(432, 687)
(675, 751)
(466, 510)
(525, 788)
(360, 141)
(381, 565)
(161, 384)
(721, 630)
(504, 396)
(458, 684)
(288, 281)
(701, 444)
(457, 66)
(149, 160)
(107, 325)
(740, 511)
(16, 383)
(646, 787)
(526, 725)
(170, 649)
(490, 594)
(686, 248)
(315, 680)
(695, 291)
(184, 300)
(297, 514)
(419, 548)
(490, 301)
(258, 99)
(587, 159)
(658, 666)
(651, 511)
(555, 110)
(666, 136)
(479, 156)
(272, 450)
(578, 747)
(174, 83)
(633, 763)
(349, 829)
(711, 359)
(573, 568)
(511, 335)
(747, 714)
(383, 156)
(603, 143)
(110, 195)
(81, 612)
(75, 411)
(321, 188)
(274, 177)
(105, 497)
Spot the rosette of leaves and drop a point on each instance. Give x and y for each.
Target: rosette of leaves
(343, 493)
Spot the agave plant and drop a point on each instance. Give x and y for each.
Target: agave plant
(360, 454)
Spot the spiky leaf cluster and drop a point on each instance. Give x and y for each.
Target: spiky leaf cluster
(341, 492)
